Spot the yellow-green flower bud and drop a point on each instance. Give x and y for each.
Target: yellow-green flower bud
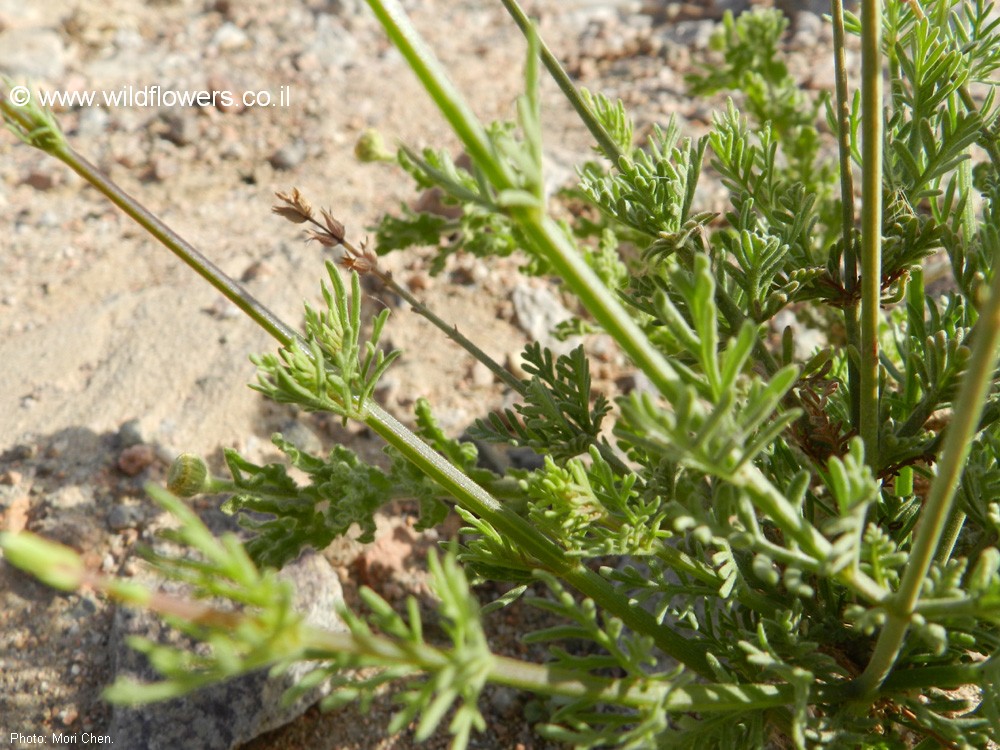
(188, 476)
(371, 147)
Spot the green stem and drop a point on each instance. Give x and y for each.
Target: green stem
(542, 232)
(566, 85)
(435, 81)
(981, 608)
(527, 538)
(972, 393)
(851, 323)
(703, 698)
(452, 332)
(546, 680)
(871, 226)
(969, 230)
(518, 386)
(731, 311)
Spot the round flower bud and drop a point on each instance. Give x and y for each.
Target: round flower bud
(188, 475)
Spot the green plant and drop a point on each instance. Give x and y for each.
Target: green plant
(766, 547)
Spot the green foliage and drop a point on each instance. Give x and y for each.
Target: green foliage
(342, 491)
(725, 562)
(262, 632)
(651, 192)
(329, 370)
(557, 416)
(753, 65)
(467, 220)
(453, 676)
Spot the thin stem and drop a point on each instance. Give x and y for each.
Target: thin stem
(980, 608)
(543, 234)
(451, 331)
(436, 82)
(847, 207)
(871, 225)
(180, 247)
(731, 311)
(57, 146)
(969, 230)
(368, 263)
(972, 393)
(704, 698)
(566, 85)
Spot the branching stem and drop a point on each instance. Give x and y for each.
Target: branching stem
(934, 518)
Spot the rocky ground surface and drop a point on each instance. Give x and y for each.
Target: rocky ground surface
(116, 357)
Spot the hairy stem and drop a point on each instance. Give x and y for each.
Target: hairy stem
(547, 239)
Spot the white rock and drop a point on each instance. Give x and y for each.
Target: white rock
(230, 37)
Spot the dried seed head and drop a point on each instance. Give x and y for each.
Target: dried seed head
(322, 238)
(334, 227)
(296, 208)
(362, 261)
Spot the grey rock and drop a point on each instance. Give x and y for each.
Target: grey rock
(818, 7)
(227, 715)
(229, 37)
(692, 35)
(333, 46)
(288, 156)
(130, 433)
(178, 126)
(33, 53)
(346, 7)
(734, 6)
(808, 28)
(302, 437)
(538, 312)
(123, 517)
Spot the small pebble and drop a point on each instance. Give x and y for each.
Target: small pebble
(230, 37)
(288, 156)
(135, 459)
(130, 433)
(39, 180)
(122, 517)
(11, 478)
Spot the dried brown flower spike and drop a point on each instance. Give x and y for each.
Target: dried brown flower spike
(296, 208)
